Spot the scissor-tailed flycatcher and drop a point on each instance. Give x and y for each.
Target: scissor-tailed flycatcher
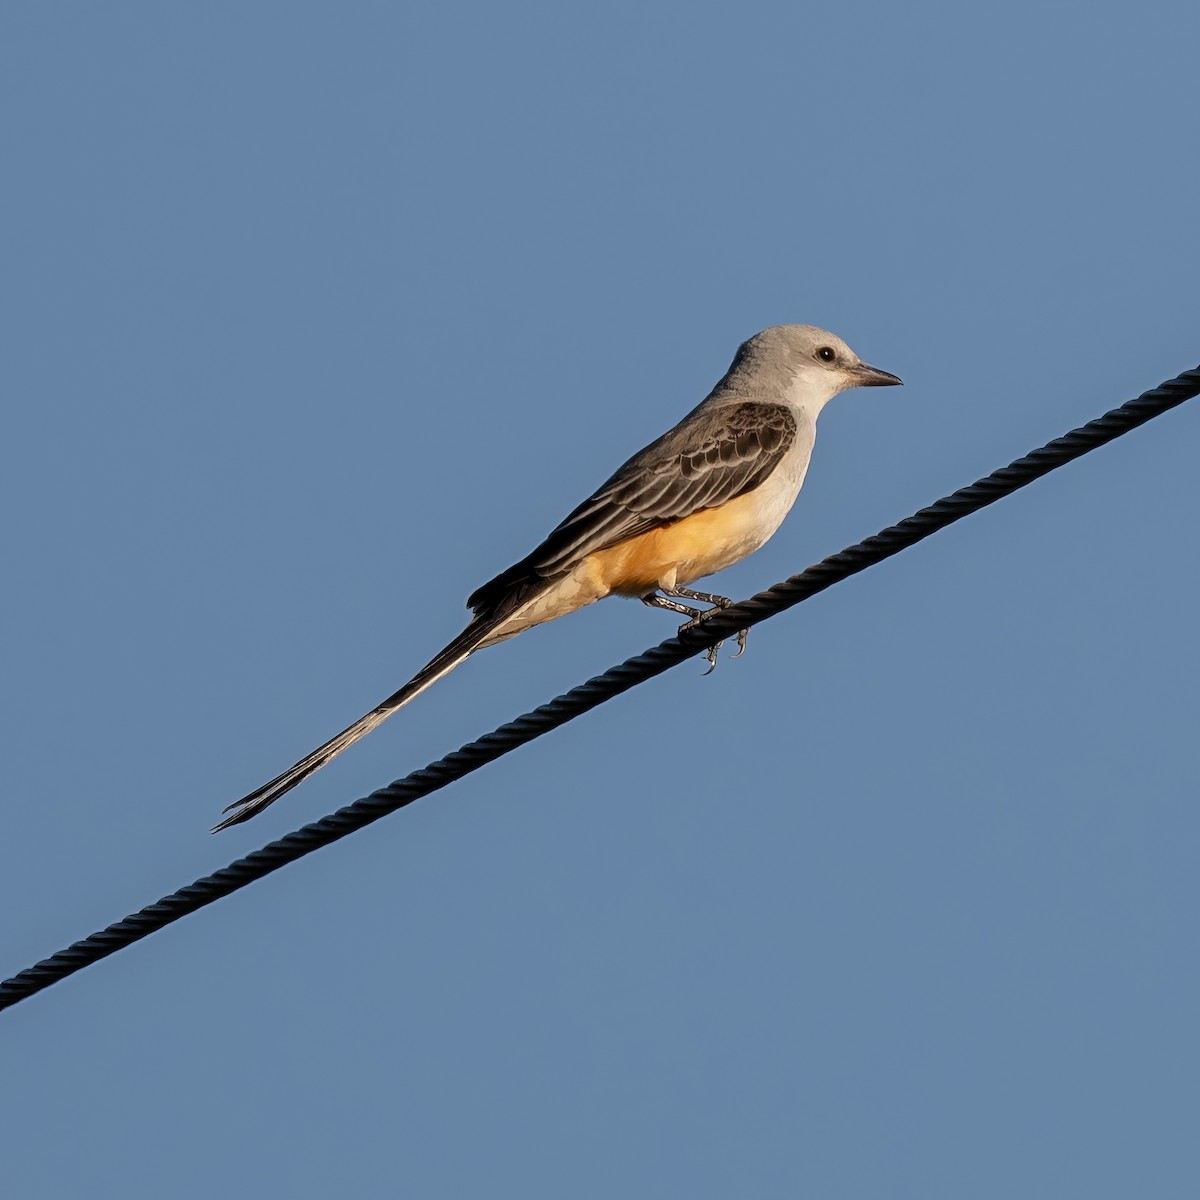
(699, 499)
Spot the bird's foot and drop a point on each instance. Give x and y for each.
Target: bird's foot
(713, 650)
(697, 616)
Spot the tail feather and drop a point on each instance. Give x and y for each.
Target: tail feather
(455, 653)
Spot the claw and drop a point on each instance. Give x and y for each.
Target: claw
(711, 655)
(742, 633)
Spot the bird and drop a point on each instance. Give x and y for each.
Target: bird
(709, 492)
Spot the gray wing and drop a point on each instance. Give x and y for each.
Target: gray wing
(713, 457)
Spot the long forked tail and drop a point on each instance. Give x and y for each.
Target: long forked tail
(468, 641)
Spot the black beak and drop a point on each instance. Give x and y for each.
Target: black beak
(865, 376)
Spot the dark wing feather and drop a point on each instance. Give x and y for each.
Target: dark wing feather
(713, 457)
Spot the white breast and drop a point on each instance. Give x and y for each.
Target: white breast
(776, 497)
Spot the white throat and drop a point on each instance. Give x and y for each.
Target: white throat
(811, 393)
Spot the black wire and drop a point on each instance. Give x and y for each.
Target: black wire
(603, 687)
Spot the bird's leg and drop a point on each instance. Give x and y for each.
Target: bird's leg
(656, 601)
(703, 597)
(717, 602)
(696, 614)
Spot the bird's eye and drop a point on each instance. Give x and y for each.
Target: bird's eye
(826, 354)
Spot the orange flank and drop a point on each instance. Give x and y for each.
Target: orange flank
(671, 556)
(677, 554)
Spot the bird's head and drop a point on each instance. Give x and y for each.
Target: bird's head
(813, 364)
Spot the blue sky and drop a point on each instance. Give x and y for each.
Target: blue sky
(316, 317)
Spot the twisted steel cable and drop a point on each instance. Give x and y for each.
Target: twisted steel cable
(603, 687)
